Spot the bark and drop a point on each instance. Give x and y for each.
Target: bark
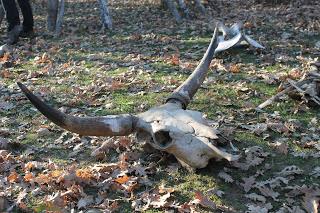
(173, 9)
(60, 18)
(184, 8)
(187, 90)
(1, 13)
(52, 9)
(105, 14)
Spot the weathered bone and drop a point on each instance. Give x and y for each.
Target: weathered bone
(237, 37)
(110, 125)
(169, 127)
(186, 91)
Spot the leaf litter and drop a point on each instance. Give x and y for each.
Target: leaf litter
(117, 174)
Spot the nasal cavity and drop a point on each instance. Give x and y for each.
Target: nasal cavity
(163, 138)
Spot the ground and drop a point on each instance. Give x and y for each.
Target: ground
(89, 71)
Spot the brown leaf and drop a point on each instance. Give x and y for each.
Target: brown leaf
(13, 177)
(84, 174)
(28, 177)
(281, 147)
(235, 68)
(85, 201)
(175, 59)
(203, 200)
(256, 197)
(160, 201)
(290, 170)
(163, 189)
(55, 201)
(278, 127)
(42, 179)
(122, 179)
(248, 183)
(226, 177)
(268, 192)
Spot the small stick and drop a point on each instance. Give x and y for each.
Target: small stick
(302, 81)
(274, 98)
(314, 98)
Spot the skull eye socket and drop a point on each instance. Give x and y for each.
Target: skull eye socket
(162, 138)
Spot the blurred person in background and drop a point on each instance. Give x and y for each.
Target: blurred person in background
(14, 29)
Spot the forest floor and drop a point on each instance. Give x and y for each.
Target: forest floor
(89, 71)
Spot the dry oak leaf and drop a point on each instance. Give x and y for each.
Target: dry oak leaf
(235, 68)
(28, 176)
(13, 177)
(268, 192)
(316, 172)
(274, 182)
(256, 197)
(175, 59)
(281, 147)
(85, 201)
(55, 201)
(122, 179)
(290, 170)
(248, 183)
(226, 177)
(161, 200)
(43, 178)
(163, 189)
(256, 209)
(84, 174)
(203, 200)
(278, 127)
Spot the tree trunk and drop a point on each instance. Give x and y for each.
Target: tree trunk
(1, 13)
(184, 8)
(173, 9)
(52, 9)
(60, 18)
(200, 6)
(105, 14)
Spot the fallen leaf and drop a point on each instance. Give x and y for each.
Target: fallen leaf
(256, 197)
(248, 183)
(13, 177)
(203, 200)
(226, 177)
(85, 201)
(122, 179)
(290, 170)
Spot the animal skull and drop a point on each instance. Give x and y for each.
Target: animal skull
(169, 127)
(183, 133)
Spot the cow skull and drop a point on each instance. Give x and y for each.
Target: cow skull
(169, 127)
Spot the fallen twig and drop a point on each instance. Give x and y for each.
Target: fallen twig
(274, 98)
(307, 79)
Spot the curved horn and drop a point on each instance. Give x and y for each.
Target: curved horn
(110, 125)
(184, 93)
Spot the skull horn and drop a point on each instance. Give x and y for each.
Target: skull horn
(184, 93)
(111, 125)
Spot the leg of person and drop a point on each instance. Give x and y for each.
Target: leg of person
(27, 17)
(12, 15)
